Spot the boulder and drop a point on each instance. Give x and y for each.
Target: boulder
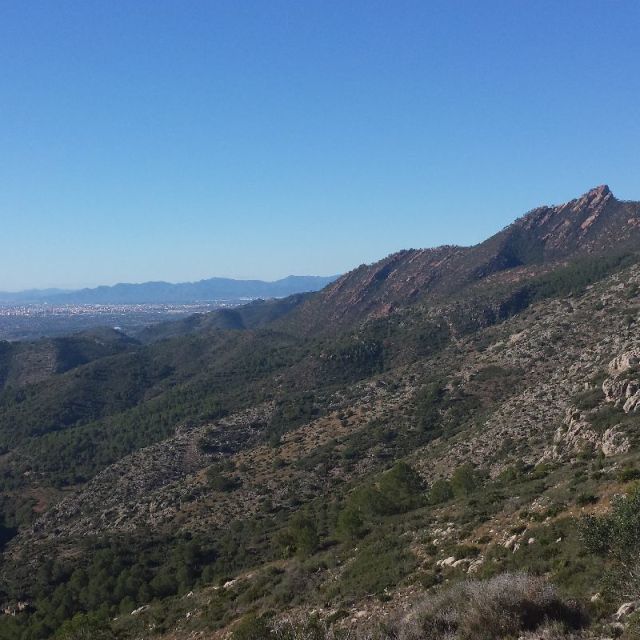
(624, 362)
(614, 389)
(632, 403)
(614, 442)
(475, 565)
(625, 610)
(511, 542)
(139, 610)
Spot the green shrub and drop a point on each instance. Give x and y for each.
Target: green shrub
(607, 417)
(377, 566)
(628, 474)
(219, 481)
(589, 399)
(304, 533)
(616, 536)
(440, 492)
(466, 551)
(617, 532)
(464, 480)
(85, 627)
(398, 490)
(586, 498)
(430, 579)
(361, 508)
(252, 628)
(351, 524)
(402, 489)
(513, 472)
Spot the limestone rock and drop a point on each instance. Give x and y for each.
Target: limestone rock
(625, 610)
(624, 362)
(511, 542)
(614, 442)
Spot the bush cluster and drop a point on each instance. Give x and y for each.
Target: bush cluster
(501, 607)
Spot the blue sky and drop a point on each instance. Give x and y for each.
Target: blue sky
(184, 139)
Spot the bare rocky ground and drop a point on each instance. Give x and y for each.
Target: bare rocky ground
(557, 351)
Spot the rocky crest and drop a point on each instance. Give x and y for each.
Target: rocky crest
(592, 224)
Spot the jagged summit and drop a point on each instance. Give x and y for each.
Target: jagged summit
(595, 221)
(602, 189)
(591, 224)
(595, 197)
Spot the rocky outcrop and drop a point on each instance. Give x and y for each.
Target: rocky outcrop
(577, 432)
(623, 387)
(614, 442)
(624, 362)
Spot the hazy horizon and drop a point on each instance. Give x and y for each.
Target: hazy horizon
(173, 282)
(279, 277)
(149, 142)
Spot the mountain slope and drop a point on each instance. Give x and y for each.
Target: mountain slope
(254, 315)
(342, 456)
(26, 363)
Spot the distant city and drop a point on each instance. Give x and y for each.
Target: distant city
(46, 310)
(28, 315)
(32, 321)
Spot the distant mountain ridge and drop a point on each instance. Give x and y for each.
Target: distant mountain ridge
(165, 292)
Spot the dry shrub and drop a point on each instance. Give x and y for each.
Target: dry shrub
(511, 605)
(501, 607)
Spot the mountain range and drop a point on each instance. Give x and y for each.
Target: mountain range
(209, 290)
(442, 444)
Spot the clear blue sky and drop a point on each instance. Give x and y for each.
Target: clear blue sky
(184, 139)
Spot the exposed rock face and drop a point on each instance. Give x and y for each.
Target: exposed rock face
(623, 388)
(594, 223)
(626, 610)
(624, 362)
(632, 403)
(577, 432)
(617, 390)
(614, 442)
(376, 290)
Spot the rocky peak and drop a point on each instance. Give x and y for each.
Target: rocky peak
(594, 223)
(594, 200)
(599, 191)
(590, 202)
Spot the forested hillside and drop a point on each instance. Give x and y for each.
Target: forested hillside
(383, 458)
